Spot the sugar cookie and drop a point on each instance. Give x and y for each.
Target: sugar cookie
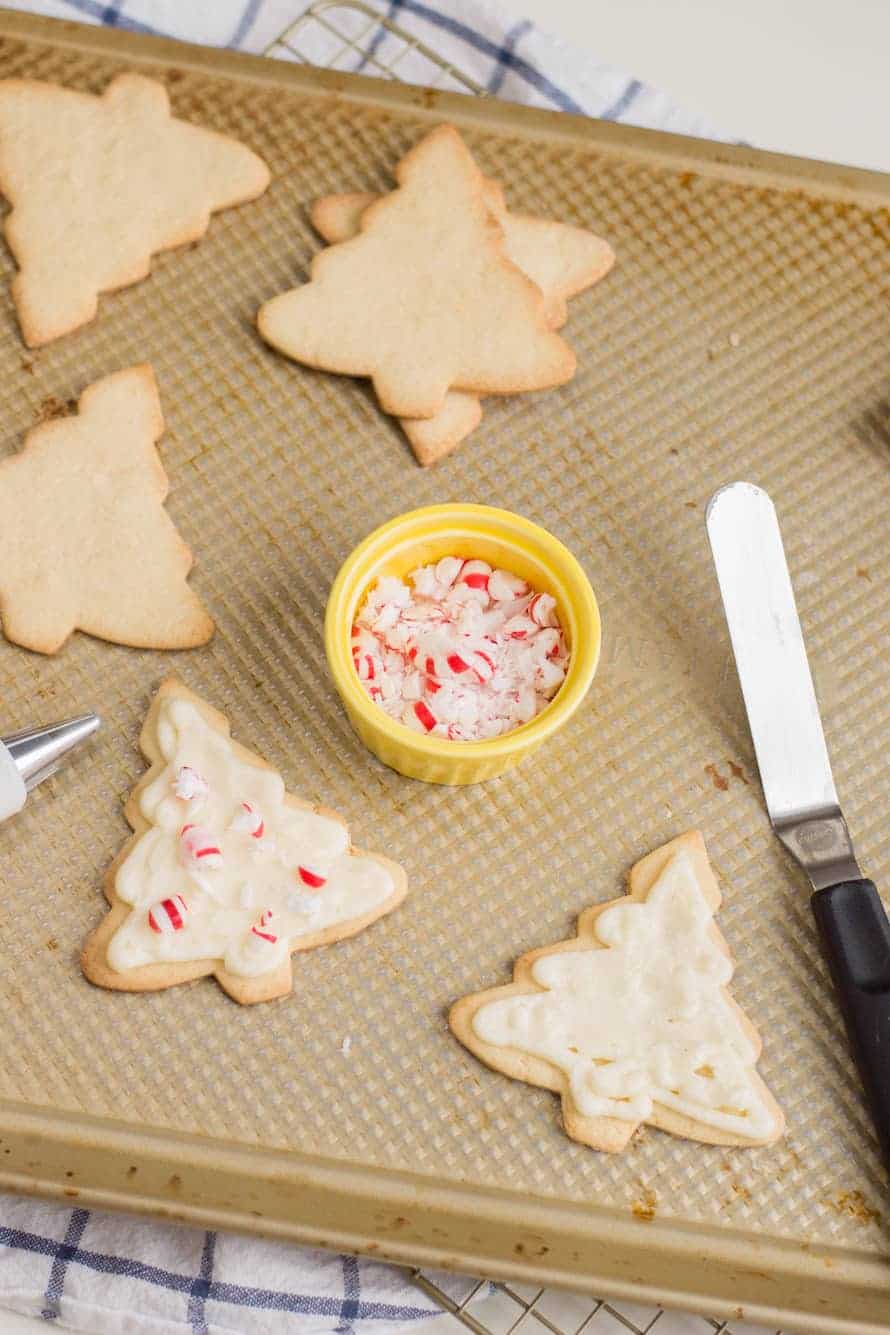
(85, 541)
(631, 1020)
(423, 299)
(226, 872)
(561, 260)
(100, 184)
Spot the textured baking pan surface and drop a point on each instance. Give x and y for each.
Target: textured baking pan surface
(745, 332)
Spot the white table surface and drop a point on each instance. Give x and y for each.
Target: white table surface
(804, 76)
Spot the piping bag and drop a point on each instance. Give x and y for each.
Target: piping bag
(32, 755)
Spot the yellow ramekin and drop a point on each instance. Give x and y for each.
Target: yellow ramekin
(502, 539)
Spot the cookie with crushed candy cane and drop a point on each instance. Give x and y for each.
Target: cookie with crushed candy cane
(560, 259)
(226, 872)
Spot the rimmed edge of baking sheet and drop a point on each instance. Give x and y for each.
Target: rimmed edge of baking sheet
(406, 1217)
(409, 1219)
(732, 162)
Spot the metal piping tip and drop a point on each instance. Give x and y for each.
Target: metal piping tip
(38, 752)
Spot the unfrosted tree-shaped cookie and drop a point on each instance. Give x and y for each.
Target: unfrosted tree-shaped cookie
(631, 1020)
(226, 872)
(560, 259)
(85, 541)
(98, 185)
(424, 298)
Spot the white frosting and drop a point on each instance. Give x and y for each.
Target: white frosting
(464, 652)
(253, 876)
(644, 1021)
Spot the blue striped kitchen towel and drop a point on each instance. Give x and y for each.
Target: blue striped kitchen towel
(110, 1274)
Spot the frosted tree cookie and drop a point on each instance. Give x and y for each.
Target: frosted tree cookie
(631, 1020)
(226, 873)
(100, 184)
(85, 541)
(559, 259)
(423, 299)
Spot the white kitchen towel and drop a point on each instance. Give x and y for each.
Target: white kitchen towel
(95, 1272)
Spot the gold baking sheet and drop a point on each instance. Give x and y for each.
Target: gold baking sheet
(745, 332)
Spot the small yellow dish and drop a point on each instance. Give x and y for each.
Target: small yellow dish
(502, 539)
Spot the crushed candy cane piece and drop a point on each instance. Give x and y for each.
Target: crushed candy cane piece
(460, 650)
(168, 915)
(424, 715)
(247, 820)
(519, 627)
(503, 586)
(314, 879)
(476, 574)
(198, 845)
(542, 610)
(189, 785)
(448, 569)
(261, 929)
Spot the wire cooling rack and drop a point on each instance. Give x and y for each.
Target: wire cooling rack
(353, 35)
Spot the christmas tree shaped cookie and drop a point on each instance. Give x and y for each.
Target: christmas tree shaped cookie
(85, 540)
(424, 298)
(98, 185)
(631, 1020)
(226, 873)
(559, 259)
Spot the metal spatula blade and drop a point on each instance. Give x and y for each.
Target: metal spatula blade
(771, 659)
(795, 771)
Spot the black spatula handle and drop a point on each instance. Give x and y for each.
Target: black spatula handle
(856, 941)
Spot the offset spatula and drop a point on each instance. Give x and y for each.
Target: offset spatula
(796, 775)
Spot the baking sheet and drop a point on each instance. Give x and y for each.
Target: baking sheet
(744, 332)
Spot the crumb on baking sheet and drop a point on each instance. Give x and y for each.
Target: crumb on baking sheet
(644, 1208)
(53, 407)
(853, 1205)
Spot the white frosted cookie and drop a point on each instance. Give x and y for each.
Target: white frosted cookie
(226, 872)
(631, 1020)
(423, 299)
(98, 185)
(85, 541)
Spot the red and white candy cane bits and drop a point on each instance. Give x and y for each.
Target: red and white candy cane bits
(461, 651)
(311, 877)
(189, 785)
(542, 610)
(504, 587)
(199, 846)
(168, 915)
(261, 929)
(247, 820)
(475, 575)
